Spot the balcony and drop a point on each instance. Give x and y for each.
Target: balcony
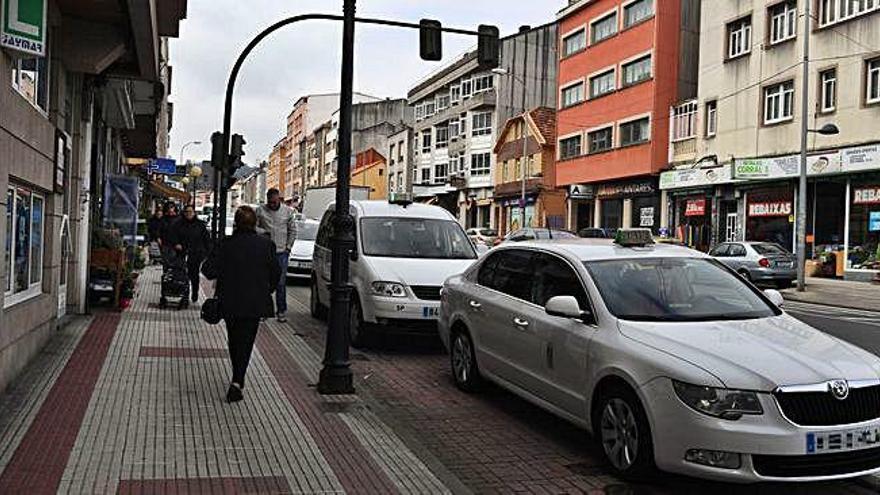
(484, 99)
(683, 132)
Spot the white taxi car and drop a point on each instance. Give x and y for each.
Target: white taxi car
(669, 358)
(404, 252)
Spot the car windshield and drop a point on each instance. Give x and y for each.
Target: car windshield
(675, 289)
(488, 232)
(306, 231)
(769, 248)
(415, 238)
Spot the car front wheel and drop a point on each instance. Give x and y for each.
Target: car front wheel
(357, 329)
(463, 359)
(623, 432)
(317, 309)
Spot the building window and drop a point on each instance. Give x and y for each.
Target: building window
(779, 103)
(442, 102)
(25, 219)
(430, 108)
(828, 90)
(783, 22)
(483, 83)
(572, 95)
(574, 43)
(467, 88)
(637, 71)
(684, 121)
(440, 172)
(30, 76)
(711, 118)
(455, 94)
(426, 176)
(601, 140)
(635, 132)
(873, 81)
(569, 147)
(420, 112)
(602, 84)
(453, 130)
(481, 163)
(739, 37)
(603, 28)
(482, 124)
(637, 12)
(426, 141)
(442, 136)
(391, 154)
(400, 152)
(834, 11)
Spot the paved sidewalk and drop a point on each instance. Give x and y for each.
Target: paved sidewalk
(840, 293)
(134, 403)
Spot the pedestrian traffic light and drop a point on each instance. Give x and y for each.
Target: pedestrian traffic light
(238, 143)
(430, 40)
(488, 48)
(217, 150)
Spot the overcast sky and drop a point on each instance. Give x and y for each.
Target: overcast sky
(304, 58)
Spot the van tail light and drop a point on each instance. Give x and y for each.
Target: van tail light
(764, 262)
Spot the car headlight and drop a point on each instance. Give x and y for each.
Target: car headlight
(389, 289)
(719, 402)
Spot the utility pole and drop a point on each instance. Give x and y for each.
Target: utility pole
(336, 376)
(802, 183)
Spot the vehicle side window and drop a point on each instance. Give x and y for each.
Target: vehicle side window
(325, 230)
(720, 250)
(554, 277)
(513, 271)
(737, 250)
(486, 274)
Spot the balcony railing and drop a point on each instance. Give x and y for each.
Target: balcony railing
(683, 131)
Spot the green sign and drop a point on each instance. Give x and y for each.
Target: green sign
(751, 169)
(23, 26)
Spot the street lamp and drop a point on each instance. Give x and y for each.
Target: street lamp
(195, 172)
(522, 200)
(184, 147)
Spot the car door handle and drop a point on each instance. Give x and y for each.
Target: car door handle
(475, 305)
(520, 323)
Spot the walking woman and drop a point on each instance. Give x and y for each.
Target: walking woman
(246, 272)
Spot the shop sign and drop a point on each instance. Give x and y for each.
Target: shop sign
(695, 208)
(646, 217)
(874, 221)
(770, 209)
(23, 26)
(165, 166)
(861, 158)
(696, 177)
(787, 166)
(867, 196)
(625, 189)
(581, 191)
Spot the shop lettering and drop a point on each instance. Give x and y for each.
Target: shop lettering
(770, 209)
(610, 191)
(18, 43)
(751, 169)
(695, 207)
(867, 196)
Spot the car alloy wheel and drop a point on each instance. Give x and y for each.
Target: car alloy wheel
(463, 360)
(620, 434)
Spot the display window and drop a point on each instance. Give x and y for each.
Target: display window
(770, 216)
(864, 226)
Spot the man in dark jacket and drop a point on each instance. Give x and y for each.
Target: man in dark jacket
(154, 223)
(166, 226)
(193, 240)
(246, 272)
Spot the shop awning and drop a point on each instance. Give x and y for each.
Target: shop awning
(166, 191)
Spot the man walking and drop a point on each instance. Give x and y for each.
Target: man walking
(194, 240)
(278, 222)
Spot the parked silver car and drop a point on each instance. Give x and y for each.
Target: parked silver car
(760, 262)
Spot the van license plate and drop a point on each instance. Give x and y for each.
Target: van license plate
(429, 312)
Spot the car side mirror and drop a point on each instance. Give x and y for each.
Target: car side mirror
(775, 297)
(567, 307)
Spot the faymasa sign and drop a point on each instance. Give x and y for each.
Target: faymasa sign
(23, 26)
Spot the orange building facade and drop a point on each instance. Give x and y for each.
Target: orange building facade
(370, 171)
(620, 69)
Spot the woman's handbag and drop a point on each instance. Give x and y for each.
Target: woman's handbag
(211, 313)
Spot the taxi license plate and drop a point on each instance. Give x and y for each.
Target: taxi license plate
(843, 440)
(429, 312)
(302, 264)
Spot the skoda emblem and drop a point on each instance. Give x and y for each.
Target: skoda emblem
(839, 389)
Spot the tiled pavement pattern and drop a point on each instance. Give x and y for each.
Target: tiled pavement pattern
(156, 420)
(494, 442)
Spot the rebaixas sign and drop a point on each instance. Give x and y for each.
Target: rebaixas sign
(23, 26)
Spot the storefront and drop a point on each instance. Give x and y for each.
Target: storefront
(770, 215)
(863, 246)
(628, 204)
(694, 221)
(701, 206)
(581, 203)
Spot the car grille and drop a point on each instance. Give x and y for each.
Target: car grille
(794, 466)
(822, 409)
(426, 292)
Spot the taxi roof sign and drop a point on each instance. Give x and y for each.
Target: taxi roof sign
(634, 237)
(400, 198)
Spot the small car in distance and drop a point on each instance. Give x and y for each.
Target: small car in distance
(594, 233)
(483, 236)
(299, 264)
(759, 262)
(404, 252)
(668, 357)
(531, 234)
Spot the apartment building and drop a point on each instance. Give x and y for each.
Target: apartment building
(277, 166)
(369, 171)
(735, 147)
(458, 112)
(622, 63)
(400, 159)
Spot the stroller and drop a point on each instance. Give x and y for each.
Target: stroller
(175, 280)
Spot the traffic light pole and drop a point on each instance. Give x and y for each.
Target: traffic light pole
(336, 376)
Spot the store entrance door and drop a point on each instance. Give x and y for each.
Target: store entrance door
(731, 227)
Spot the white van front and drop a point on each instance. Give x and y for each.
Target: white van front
(404, 254)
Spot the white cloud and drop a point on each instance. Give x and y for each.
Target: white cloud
(304, 58)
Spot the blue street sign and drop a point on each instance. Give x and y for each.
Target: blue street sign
(165, 166)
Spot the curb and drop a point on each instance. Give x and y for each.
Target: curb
(828, 305)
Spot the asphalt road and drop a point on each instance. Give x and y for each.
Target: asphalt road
(861, 328)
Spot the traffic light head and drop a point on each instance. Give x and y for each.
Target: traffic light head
(430, 40)
(488, 48)
(238, 143)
